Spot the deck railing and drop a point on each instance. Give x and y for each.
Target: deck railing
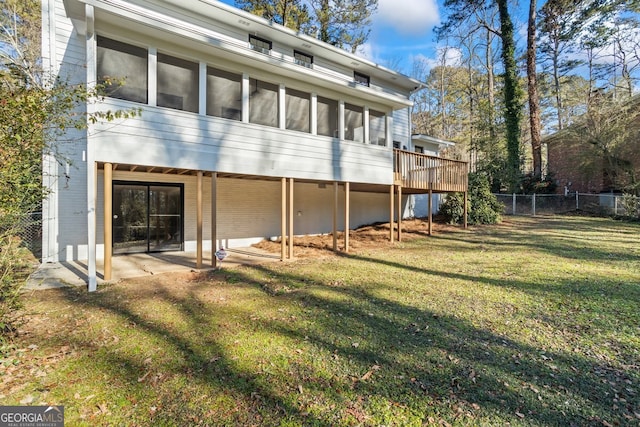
(424, 172)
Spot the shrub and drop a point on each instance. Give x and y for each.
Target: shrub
(631, 205)
(484, 207)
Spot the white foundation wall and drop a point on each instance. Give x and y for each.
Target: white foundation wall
(248, 211)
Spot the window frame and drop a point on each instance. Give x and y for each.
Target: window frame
(361, 79)
(258, 48)
(303, 62)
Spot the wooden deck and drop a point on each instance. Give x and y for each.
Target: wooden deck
(415, 171)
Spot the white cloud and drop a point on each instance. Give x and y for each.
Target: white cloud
(410, 17)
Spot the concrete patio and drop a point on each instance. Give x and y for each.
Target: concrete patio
(74, 273)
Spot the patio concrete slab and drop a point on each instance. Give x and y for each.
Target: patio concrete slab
(74, 273)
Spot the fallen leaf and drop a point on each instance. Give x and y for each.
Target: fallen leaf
(144, 377)
(370, 372)
(27, 399)
(520, 414)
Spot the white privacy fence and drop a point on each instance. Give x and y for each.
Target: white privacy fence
(596, 204)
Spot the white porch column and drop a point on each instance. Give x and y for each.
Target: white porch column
(152, 77)
(347, 205)
(202, 89)
(214, 219)
(199, 220)
(92, 172)
(341, 120)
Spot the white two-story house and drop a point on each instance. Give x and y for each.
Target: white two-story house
(248, 130)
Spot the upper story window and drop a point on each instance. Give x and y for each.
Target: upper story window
(298, 110)
(224, 94)
(177, 83)
(327, 117)
(263, 103)
(302, 58)
(122, 68)
(377, 128)
(259, 44)
(361, 79)
(354, 123)
(418, 149)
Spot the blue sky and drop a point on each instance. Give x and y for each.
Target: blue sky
(402, 30)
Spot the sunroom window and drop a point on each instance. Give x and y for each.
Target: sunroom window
(377, 128)
(353, 122)
(122, 69)
(327, 117)
(177, 83)
(224, 94)
(263, 103)
(297, 107)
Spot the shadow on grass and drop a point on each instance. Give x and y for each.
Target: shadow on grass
(570, 238)
(450, 360)
(363, 359)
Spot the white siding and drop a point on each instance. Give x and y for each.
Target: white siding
(171, 138)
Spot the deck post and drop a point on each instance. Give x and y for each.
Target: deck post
(346, 216)
(399, 213)
(391, 205)
(466, 208)
(283, 218)
(108, 219)
(214, 219)
(291, 182)
(335, 216)
(430, 215)
(199, 220)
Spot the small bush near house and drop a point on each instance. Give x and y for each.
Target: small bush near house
(631, 206)
(484, 207)
(14, 267)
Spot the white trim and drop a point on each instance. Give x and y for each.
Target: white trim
(152, 77)
(202, 93)
(365, 124)
(246, 89)
(314, 114)
(282, 114)
(341, 120)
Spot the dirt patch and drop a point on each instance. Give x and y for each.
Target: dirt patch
(375, 236)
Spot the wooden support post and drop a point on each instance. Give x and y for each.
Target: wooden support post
(466, 208)
(399, 213)
(199, 220)
(214, 219)
(391, 205)
(335, 216)
(430, 207)
(347, 203)
(291, 218)
(108, 219)
(283, 219)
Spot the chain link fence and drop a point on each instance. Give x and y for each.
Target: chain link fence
(30, 232)
(591, 204)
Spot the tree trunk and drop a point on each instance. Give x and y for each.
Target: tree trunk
(490, 88)
(532, 86)
(512, 96)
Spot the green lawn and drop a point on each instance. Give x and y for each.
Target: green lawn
(533, 322)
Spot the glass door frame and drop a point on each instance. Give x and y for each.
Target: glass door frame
(148, 185)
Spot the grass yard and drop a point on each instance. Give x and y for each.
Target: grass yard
(533, 322)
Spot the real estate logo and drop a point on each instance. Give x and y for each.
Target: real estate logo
(31, 416)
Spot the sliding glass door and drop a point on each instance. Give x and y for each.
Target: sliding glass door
(147, 217)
